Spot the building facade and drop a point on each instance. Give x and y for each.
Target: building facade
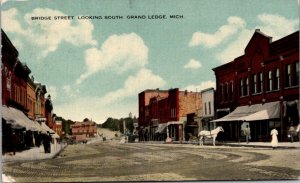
(168, 113)
(260, 88)
(81, 131)
(18, 100)
(208, 109)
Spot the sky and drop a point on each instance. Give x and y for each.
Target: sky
(95, 68)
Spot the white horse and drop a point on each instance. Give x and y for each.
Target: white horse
(209, 134)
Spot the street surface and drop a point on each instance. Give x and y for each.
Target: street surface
(112, 161)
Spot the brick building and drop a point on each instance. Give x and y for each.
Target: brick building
(81, 131)
(31, 98)
(168, 113)
(57, 127)
(260, 88)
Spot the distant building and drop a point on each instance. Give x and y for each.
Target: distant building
(260, 88)
(81, 131)
(168, 112)
(57, 127)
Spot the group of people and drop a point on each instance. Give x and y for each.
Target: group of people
(274, 142)
(29, 140)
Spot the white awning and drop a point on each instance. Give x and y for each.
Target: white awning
(175, 123)
(48, 129)
(255, 112)
(18, 119)
(161, 127)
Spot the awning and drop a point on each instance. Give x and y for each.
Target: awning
(175, 123)
(255, 112)
(18, 119)
(161, 127)
(48, 129)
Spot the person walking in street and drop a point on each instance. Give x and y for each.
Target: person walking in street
(291, 133)
(247, 132)
(274, 141)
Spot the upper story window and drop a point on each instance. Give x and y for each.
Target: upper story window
(241, 87)
(226, 92)
(246, 87)
(230, 90)
(288, 75)
(221, 93)
(270, 84)
(205, 110)
(259, 82)
(209, 108)
(296, 74)
(254, 83)
(276, 79)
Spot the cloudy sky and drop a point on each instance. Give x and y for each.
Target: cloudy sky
(95, 68)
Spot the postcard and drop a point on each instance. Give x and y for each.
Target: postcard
(159, 90)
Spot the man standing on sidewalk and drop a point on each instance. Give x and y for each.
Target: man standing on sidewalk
(247, 132)
(291, 133)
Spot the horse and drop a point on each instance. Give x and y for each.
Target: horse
(209, 134)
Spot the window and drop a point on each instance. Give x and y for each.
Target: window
(269, 87)
(288, 75)
(246, 87)
(296, 74)
(209, 108)
(205, 110)
(254, 83)
(276, 80)
(241, 87)
(221, 92)
(259, 83)
(226, 92)
(230, 91)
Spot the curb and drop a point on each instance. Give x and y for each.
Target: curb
(57, 153)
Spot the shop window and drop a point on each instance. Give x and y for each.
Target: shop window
(254, 83)
(288, 75)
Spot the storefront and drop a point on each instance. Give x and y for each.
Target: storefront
(261, 118)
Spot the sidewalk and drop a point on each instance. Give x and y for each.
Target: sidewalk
(230, 144)
(265, 144)
(34, 153)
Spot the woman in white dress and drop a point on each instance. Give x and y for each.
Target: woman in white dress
(274, 141)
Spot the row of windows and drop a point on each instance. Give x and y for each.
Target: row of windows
(226, 92)
(273, 82)
(20, 95)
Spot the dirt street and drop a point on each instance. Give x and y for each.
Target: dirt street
(112, 161)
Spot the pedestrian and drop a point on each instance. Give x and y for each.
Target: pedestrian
(291, 133)
(46, 143)
(247, 132)
(298, 131)
(274, 141)
(15, 142)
